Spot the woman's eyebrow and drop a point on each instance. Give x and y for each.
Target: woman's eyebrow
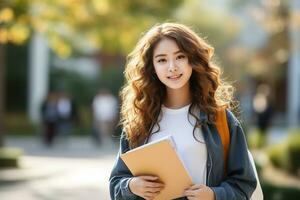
(160, 55)
(176, 52)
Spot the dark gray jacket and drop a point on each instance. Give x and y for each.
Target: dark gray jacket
(238, 184)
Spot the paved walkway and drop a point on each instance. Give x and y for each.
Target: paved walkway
(74, 169)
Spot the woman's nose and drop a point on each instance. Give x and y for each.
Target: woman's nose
(172, 67)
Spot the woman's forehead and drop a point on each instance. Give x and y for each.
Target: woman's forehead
(166, 46)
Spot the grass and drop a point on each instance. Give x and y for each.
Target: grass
(9, 157)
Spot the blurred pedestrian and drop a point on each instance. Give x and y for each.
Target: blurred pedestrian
(263, 108)
(49, 118)
(105, 112)
(67, 114)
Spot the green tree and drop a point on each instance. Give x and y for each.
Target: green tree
(68, 25)
(14, 28)
(215, 24)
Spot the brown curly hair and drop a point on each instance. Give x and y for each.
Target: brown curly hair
(143, 93)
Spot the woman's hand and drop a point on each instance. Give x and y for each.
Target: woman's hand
(147, 187)
(199, 192)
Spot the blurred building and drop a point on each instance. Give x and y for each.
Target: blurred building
(268, 47)
(41, 60)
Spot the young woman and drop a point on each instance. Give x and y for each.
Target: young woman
(173, 88)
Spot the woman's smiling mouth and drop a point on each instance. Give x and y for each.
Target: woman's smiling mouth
(174, 77)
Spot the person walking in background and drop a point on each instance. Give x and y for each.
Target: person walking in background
(49, 118)
(173, 88)
(105, 112)
(67, 115)
(263, 108)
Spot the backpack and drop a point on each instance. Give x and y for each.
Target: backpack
(223, 130)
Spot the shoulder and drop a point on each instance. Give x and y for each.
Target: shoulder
(235, 127)
(231, 118)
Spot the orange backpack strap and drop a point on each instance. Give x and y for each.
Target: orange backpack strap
(223, 130)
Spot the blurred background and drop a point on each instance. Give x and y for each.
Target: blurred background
(61, 68)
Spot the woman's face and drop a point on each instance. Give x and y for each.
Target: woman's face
(171, 65)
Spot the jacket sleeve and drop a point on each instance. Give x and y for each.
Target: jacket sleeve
(120, 176)
(240, 181)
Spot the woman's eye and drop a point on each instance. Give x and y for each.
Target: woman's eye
(181, 57)
(161, 60)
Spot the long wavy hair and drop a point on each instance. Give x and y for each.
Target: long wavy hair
(143, 93)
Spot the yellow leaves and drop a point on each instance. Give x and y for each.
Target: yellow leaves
(17, 34)
(6, 15)
(3, 36)
(60, 47)
(102, 7)
(81, 13)
(112, 25)
(13, 29)
(68, 3)
(39, 25)
(49, 13)
(94, 39)
(127, 38)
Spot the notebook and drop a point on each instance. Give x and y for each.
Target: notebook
(159, 158)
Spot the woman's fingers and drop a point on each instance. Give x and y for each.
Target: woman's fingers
(154, 190)
(149, 178)
(151, 182)
(154, 184)
(150, 195)
(148, 186)
(196, 187)
(190, 193)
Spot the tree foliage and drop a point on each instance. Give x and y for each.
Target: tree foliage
(111, 25)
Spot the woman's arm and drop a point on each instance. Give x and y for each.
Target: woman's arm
(120, 176)
(240, 181)
(123, 185)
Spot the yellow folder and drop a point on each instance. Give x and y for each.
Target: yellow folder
(159, 158)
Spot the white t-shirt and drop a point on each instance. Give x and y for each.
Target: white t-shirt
(193, 153)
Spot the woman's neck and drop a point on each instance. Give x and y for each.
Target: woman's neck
(177, 98)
